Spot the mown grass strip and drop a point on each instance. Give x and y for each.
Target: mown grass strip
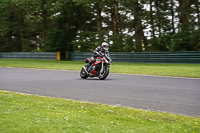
(175, 70)
(30, 113)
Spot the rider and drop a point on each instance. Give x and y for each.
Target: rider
(99, 51)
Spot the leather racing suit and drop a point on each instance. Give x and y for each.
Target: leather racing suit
(97, 52)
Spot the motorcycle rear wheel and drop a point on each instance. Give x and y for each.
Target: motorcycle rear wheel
(83, 74)
(105, 73)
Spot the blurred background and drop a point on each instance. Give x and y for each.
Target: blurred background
(82, 25)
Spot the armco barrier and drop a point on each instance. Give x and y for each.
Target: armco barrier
(29, 55)
(144, 57)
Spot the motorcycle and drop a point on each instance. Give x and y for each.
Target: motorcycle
(100, 68)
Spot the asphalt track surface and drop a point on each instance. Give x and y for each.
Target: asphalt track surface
(155, 93)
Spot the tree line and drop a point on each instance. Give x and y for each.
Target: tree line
(82, 25)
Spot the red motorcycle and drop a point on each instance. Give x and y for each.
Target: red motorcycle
(100, 68)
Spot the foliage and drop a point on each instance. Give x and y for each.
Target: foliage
(185, 41)
(81, 25)
(66, 27)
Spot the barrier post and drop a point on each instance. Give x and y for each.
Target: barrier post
(58, 56)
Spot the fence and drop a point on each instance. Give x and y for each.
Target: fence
(29, 55)
(130, 57)
(144, 57)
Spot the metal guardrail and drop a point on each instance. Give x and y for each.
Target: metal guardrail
(29, 55)
(144, 57)
(129, 57)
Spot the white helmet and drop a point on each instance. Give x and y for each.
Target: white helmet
(105, 46)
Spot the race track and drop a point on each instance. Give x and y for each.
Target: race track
(166, 94)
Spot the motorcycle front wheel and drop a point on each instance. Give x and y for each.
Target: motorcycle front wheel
(105, 73)
(83, 74)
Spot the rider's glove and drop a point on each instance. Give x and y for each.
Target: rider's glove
(101, 54)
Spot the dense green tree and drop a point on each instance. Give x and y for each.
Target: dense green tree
(11, 21)
(71, 18)
(82, 25)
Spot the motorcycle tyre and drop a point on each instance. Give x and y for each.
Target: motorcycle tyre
(83, 74)
(104, 76)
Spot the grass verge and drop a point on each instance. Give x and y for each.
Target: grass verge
(175, 70)
(30, 113)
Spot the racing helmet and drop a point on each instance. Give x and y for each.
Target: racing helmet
(105, 46)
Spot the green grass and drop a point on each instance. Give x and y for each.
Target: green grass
(175, 70)
(21, 113)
